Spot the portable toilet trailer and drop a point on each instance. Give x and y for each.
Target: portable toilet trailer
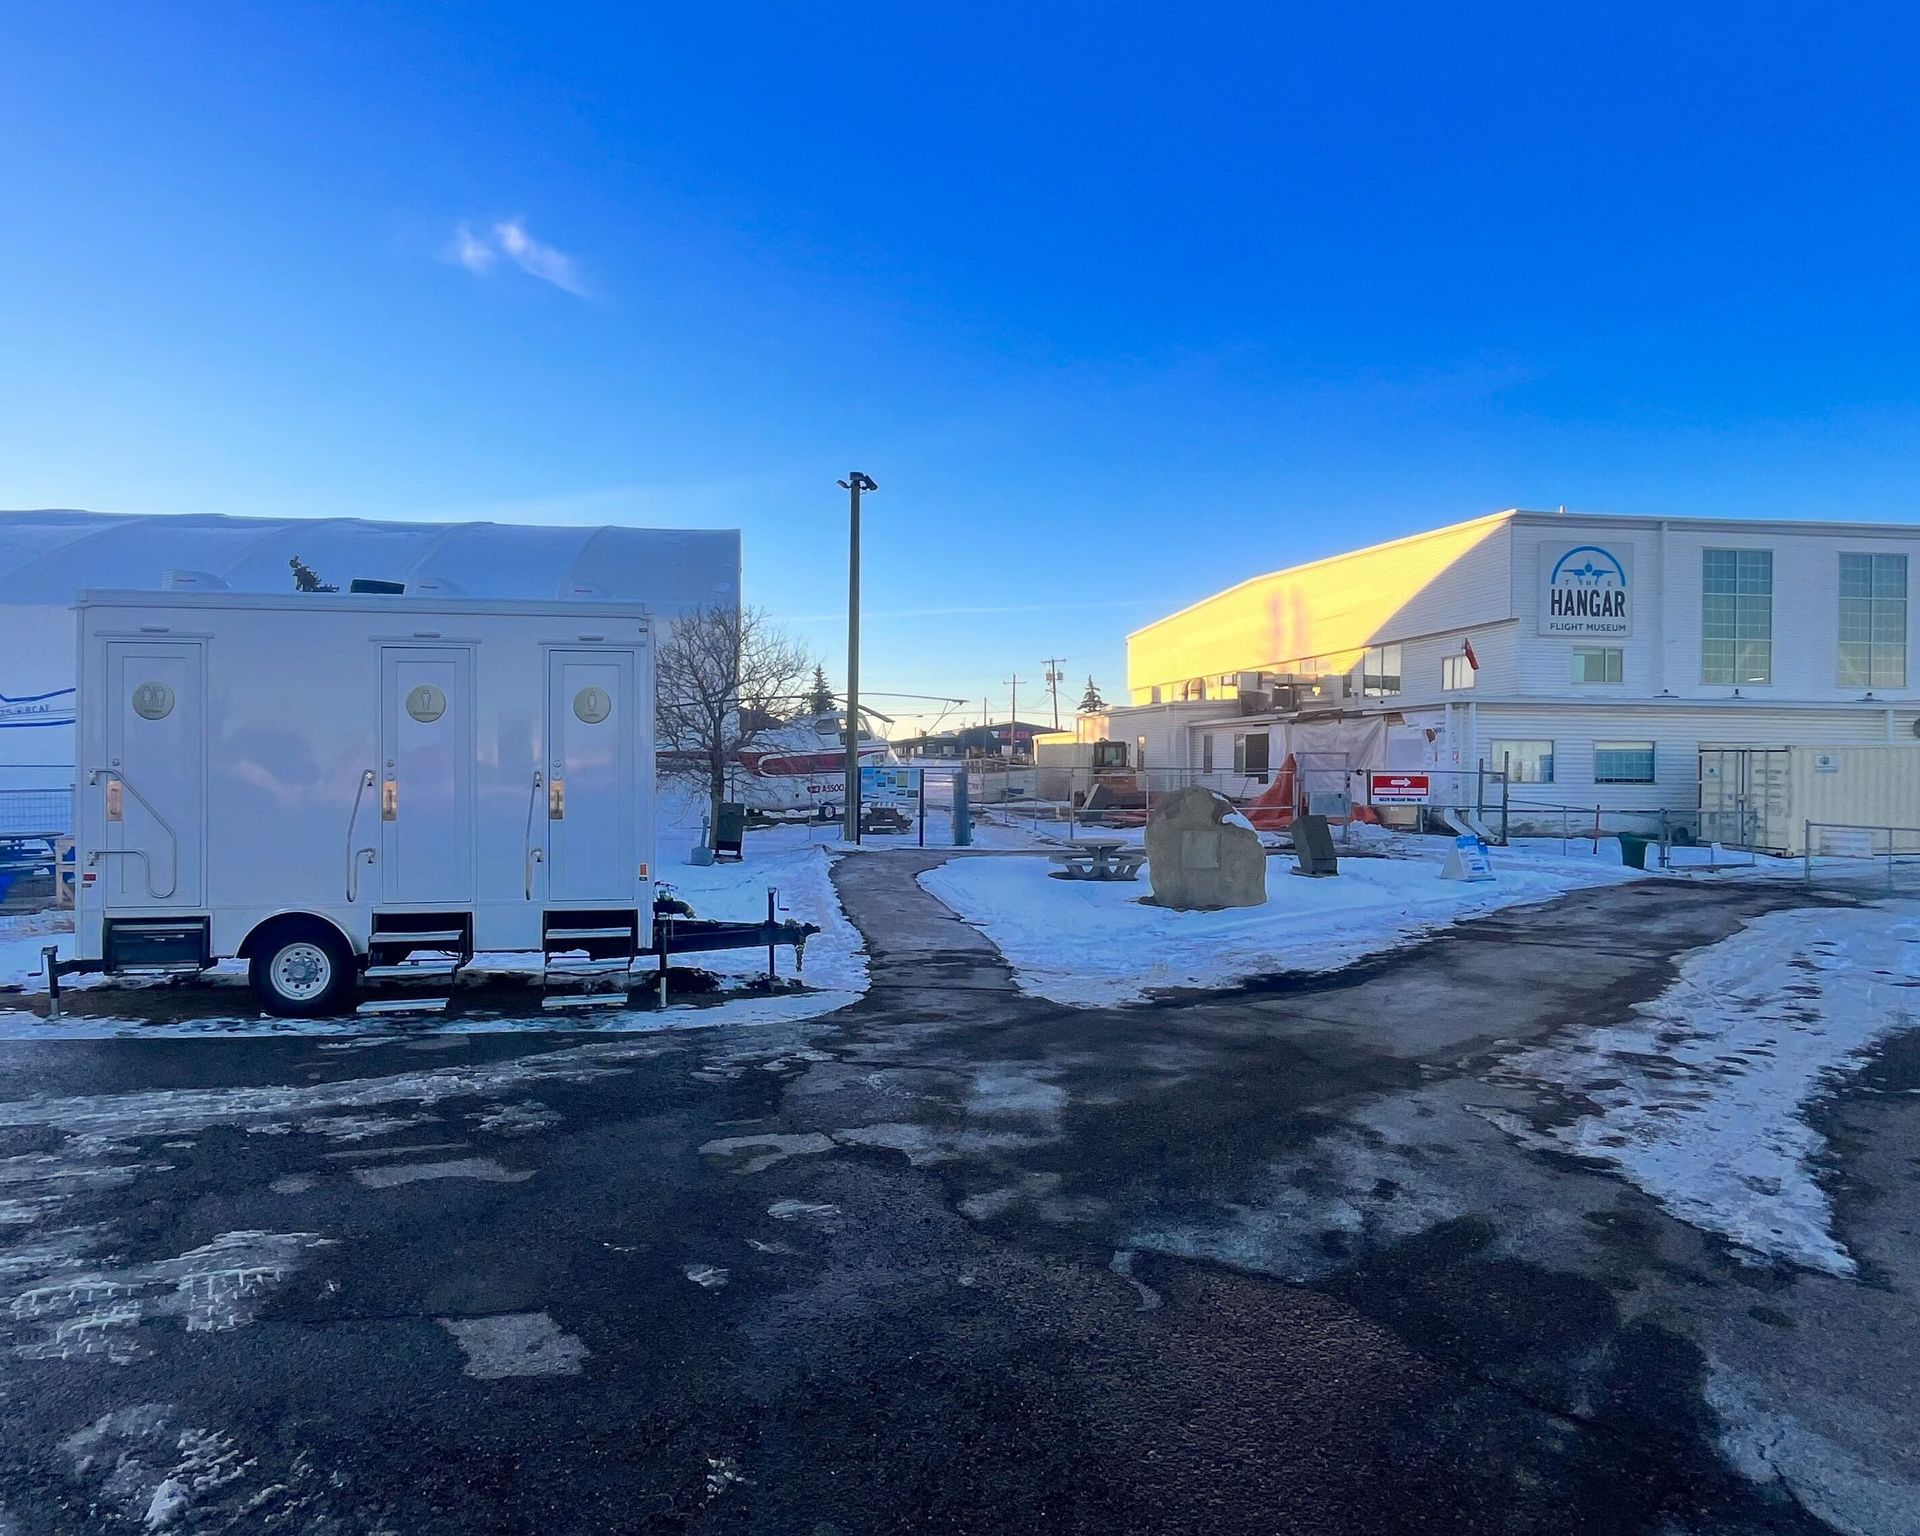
(334, 787)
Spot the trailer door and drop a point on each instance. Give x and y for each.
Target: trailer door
(591, 794)
(426, 776)
(153, 783)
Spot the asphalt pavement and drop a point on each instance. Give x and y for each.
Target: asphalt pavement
(952, 1259)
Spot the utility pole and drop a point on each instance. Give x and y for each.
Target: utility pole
(853, 485)
(1054, 675)
(1013, 718)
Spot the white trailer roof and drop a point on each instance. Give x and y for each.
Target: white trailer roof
(49, 556)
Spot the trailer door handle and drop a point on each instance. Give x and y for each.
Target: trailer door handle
(390, 800)
(534, 855)
(557, 800)
(354, 855)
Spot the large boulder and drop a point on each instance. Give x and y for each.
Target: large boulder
(1202, 854)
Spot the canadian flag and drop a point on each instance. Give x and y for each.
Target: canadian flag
(1466, 649)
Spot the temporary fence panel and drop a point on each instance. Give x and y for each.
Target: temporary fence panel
(35, 812)
(1325, 784)
(1868, 859)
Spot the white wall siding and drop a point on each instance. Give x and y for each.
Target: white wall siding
(1664, 650)
(1677, 732)
(1498, 648)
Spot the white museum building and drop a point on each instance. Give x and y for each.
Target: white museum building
(1603, 659)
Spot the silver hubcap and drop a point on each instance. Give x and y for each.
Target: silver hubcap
(302, 971)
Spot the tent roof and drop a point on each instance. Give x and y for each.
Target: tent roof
(48, 556)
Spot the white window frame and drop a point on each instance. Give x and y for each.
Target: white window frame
(1653, 760)
(1507, 744)
(1456, 673)
(1379, 666)
(1886, 660)
(1615, 666)
(1750, 623)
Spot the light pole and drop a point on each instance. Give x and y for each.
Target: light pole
(853, 485)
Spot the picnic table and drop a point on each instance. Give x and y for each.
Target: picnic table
(1097, 858)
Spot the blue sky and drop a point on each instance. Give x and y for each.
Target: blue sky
(1119, 304)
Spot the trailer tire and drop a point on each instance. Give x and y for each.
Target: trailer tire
(300, 969)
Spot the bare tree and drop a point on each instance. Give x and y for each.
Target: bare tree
(721, 675)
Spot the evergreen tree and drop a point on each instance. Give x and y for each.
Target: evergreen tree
(819, 695)
(307, 579)
(1090, 702)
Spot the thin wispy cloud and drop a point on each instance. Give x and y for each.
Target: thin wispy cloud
(480, 250)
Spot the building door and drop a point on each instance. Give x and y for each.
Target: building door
(426, 776)
(154, 781)
(1744, 796)
(592, 799)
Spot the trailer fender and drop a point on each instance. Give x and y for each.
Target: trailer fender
(265, 927)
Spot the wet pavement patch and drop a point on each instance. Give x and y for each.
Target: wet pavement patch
(515, 1344)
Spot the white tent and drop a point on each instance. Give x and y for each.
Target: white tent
(47, 557)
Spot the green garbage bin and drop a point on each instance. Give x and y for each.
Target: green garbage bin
(730, 831)
(1633, 850)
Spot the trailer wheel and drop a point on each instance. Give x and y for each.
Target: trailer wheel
(300, 970)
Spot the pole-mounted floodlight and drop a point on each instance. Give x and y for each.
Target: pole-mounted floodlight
(854, 485)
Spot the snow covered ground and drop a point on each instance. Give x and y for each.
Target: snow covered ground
(21, 940)
(1095, 943)
(1701, 1100)
(792, 860)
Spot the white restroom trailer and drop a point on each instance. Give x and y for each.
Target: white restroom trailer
(339, 786)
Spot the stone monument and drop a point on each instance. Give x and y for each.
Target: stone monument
(1202, 854)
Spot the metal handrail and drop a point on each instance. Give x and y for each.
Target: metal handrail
(146, 861)
(97, 854)
(534, 855)
(367, 779)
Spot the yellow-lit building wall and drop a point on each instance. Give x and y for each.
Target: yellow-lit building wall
(1331, 609)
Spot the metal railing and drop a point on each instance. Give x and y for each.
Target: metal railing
(1667, 827)
(1886, 859)
(1061, 800)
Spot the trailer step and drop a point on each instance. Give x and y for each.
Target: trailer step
(556, 935)
(406, 970)
(403, 1005)
(420, 938)
(185, 968)
(562, 966)
(609, 999)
